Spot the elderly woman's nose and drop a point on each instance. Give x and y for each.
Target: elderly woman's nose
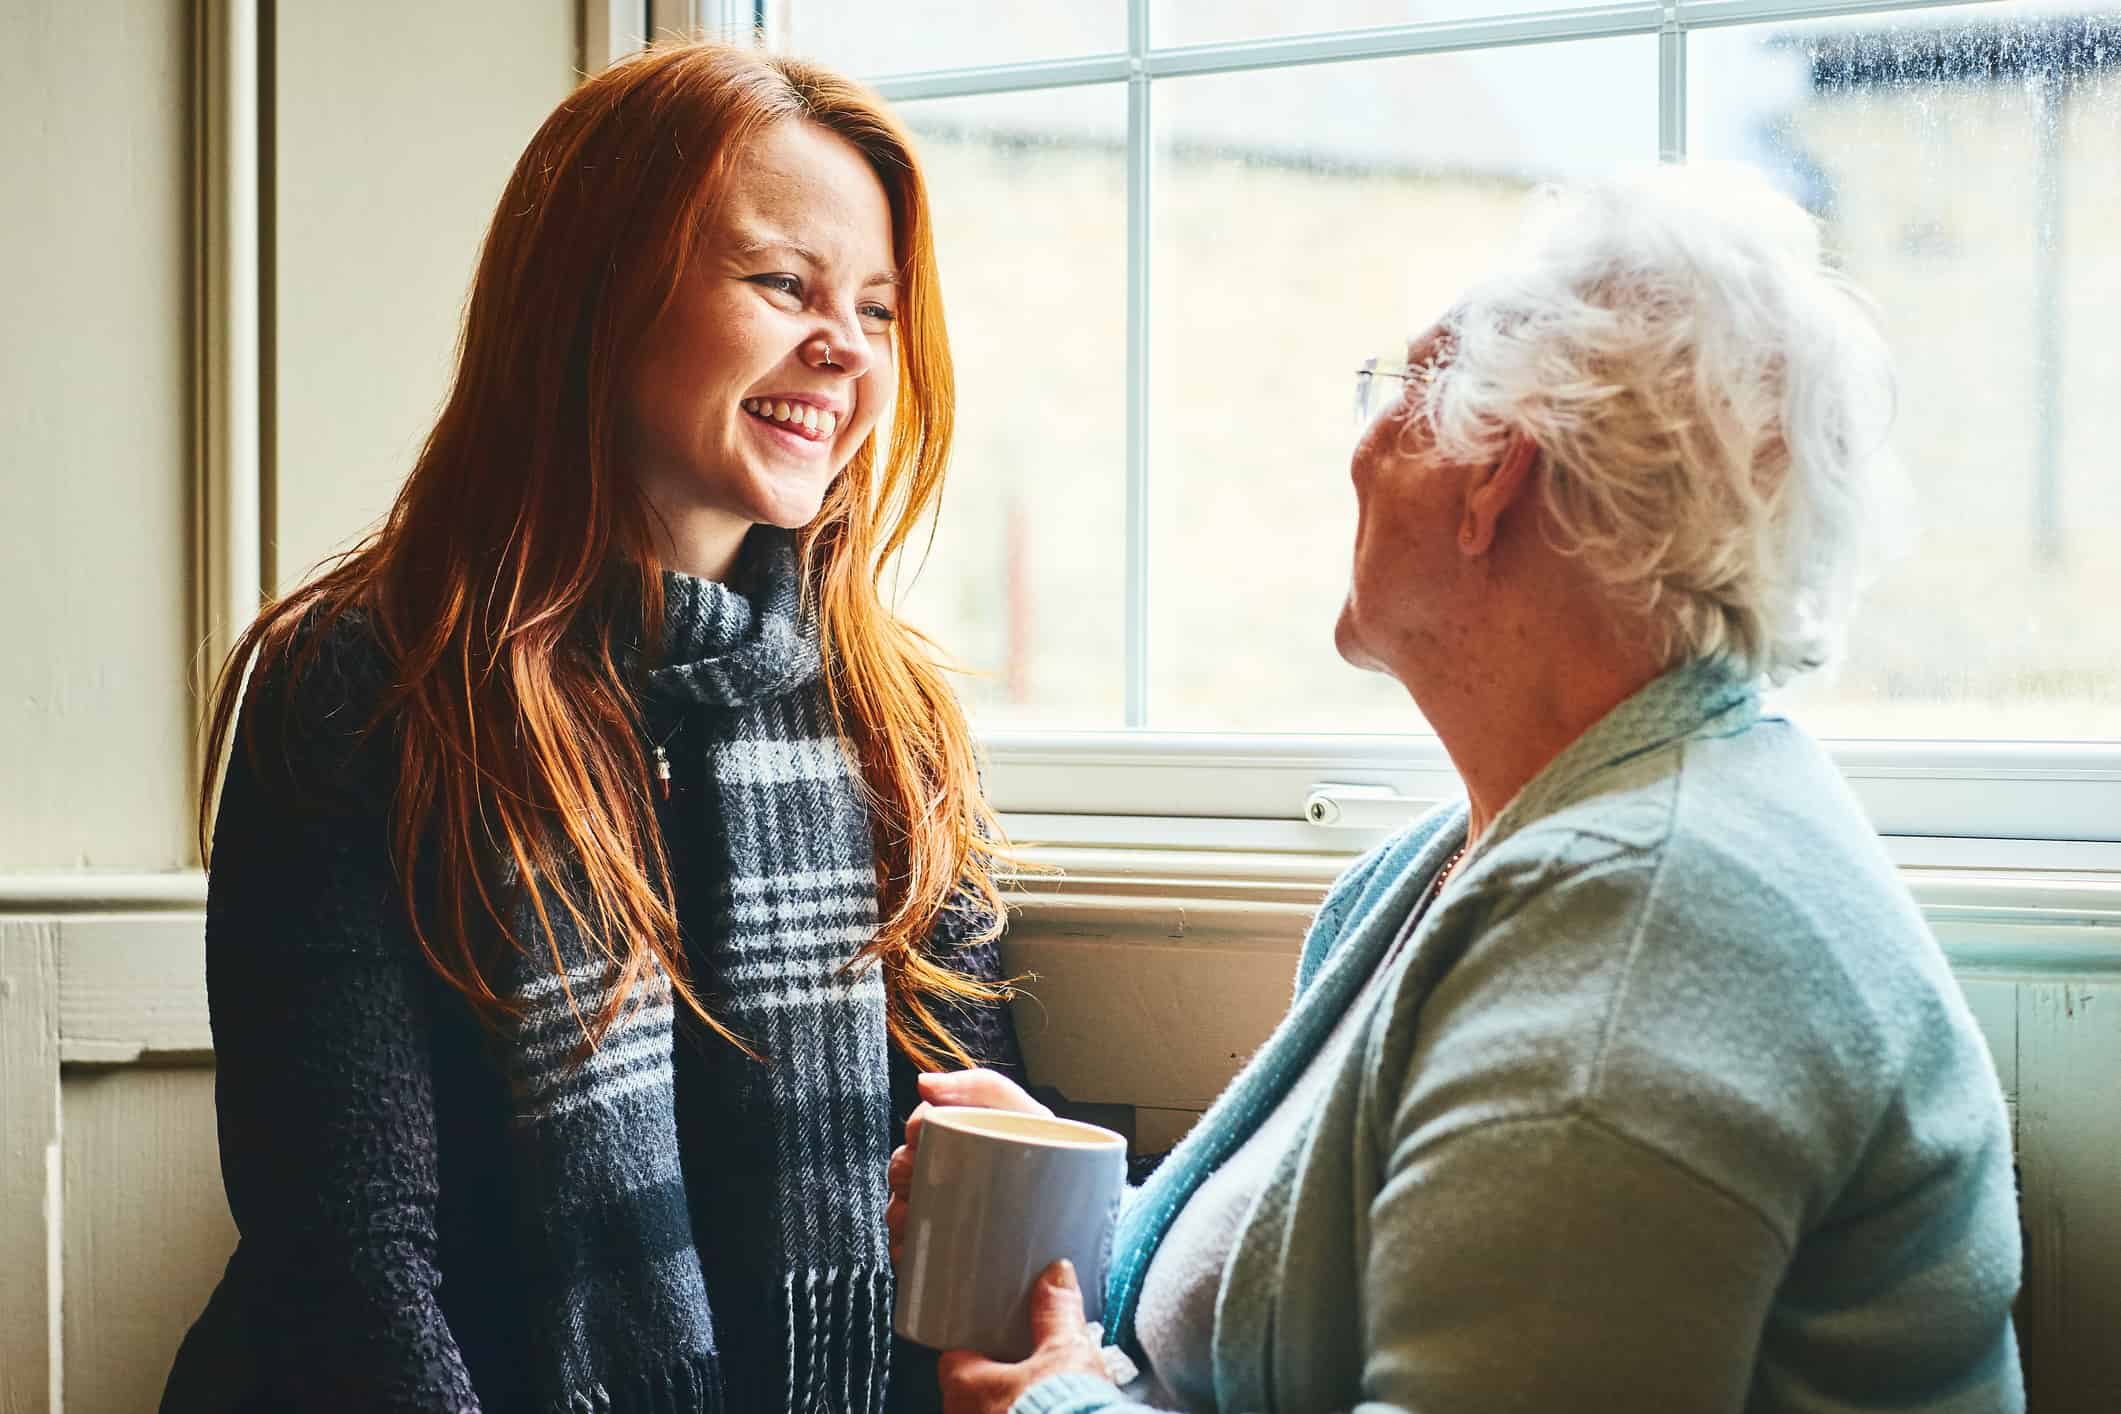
(1377, 444)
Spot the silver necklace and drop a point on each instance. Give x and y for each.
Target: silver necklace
(662, 760)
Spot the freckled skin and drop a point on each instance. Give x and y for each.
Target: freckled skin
(1510, 648)
(792, 264)
(1406, 555)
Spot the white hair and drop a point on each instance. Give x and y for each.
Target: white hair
(1710, 400)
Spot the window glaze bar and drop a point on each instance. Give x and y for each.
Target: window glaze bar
(1637, 17)
(1393, 41)
(1004, 78)
(738, 21)
(1444, 36)
(1140, 157)
(612, 29)
(1707, 14)
(1671, 89)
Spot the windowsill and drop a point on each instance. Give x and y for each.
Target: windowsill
(1162, 956)
(1182, 926)
(1253, 792)
(1263, 874)
(2014, 905)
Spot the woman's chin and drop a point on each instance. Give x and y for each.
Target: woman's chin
(793, 515)
(788, 507)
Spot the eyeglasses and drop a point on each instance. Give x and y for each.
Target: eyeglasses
(1371, 399)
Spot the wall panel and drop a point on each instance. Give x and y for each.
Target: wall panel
(146, 1232)
(95, 400)
(397, 125)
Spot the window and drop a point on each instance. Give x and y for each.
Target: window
(1963, 159)
(1170, 228)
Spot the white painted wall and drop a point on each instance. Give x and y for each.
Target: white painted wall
(397, 125)
(96, 456)
(394, 128)
(146, 1229)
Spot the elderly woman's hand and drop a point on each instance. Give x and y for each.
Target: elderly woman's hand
(985, 1089)
(973, 1384)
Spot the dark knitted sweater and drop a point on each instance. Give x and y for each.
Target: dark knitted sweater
(364, 1121)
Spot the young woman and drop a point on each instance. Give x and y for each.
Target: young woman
(599, 858)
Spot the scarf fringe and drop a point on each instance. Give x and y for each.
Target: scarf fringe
(691, 1384)
(839, 1339)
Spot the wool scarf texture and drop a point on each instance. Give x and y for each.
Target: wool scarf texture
(737, 1260)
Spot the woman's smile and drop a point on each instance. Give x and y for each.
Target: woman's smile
(804, 424)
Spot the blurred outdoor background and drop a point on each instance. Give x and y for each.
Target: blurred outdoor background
(1962, 158)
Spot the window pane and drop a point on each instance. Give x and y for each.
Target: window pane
(870, 37)
(1963, 161)
(1026, 579)
(1307, 219)
(1175, 22)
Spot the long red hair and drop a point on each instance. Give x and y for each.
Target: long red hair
(489, 586)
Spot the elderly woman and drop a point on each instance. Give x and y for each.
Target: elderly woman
(1633, 1081)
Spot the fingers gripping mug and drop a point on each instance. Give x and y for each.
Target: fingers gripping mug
(996, 1197)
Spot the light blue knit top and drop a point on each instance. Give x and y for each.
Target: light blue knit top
(1671, 1103)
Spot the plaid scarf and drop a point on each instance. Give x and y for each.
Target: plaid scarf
(667, 1176)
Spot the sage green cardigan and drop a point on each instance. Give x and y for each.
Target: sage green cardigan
(1672, 1104)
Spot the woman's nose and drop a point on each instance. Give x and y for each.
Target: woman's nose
(845, 344)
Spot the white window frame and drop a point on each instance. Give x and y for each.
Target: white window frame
(1963, 804)
(612, 29)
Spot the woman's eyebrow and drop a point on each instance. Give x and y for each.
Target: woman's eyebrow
(755, 245)
(765, 244)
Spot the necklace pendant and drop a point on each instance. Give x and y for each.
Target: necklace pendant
(662, 771)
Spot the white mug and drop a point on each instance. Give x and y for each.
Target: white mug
(996, 1198)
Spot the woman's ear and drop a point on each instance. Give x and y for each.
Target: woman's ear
(1493, 492)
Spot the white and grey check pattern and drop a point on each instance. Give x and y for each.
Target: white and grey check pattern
(801, 901)
(778, 892)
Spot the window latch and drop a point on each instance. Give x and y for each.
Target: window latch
(1356, 807)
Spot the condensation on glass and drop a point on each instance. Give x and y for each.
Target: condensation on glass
(1963, 161)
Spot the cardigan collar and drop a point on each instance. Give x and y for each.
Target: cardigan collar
(1701, 697)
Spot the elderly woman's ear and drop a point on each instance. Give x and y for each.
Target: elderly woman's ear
(1497, 491)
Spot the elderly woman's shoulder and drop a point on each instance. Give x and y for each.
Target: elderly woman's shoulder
(1734, 874)
(1726, 832)
(1718, 963)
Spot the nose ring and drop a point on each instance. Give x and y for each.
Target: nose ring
(824, 354)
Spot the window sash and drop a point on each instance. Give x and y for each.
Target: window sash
(1250, 792)
(1258, 787)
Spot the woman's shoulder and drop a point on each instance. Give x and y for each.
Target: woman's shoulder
(314, 712)
(330, 657)
(302, 846)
